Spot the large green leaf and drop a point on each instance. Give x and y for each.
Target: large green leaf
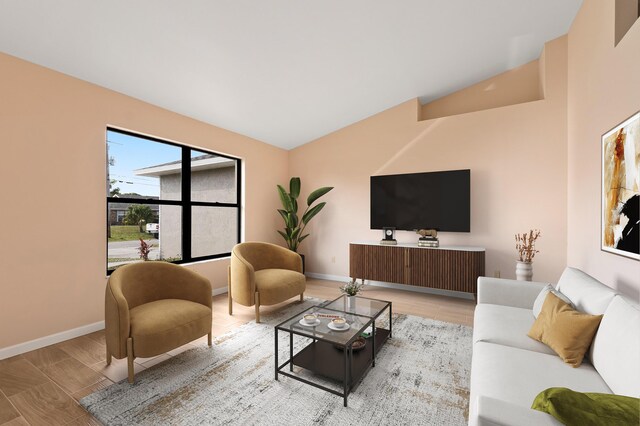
(295, 233)
(302, 238)
(294, 187)
(284, 214)
(312, 212)
(294, 206)
(286, 238)
(317, 194)
(285, 199)
(293, 220)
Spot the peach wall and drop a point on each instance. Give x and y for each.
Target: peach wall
(52, 220)
(603, 90)
(521, 84)
(517, 155)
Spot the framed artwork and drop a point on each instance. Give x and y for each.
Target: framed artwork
(621, 189)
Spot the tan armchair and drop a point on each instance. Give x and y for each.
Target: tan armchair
(264, 274)
(154, 307)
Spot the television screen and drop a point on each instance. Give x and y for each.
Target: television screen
(434, 200)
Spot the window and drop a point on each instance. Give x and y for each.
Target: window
(183, 203)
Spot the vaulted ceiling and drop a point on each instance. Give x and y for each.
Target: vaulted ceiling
(282, 71)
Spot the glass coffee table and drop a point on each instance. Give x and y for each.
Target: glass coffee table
(330, 353)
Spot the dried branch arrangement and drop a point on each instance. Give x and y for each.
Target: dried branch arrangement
(526, 245)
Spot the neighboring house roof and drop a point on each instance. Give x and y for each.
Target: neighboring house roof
(202, 162)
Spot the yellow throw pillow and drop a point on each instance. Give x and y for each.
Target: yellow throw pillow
(565, 330)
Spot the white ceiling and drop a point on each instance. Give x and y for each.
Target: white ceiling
(282, 71)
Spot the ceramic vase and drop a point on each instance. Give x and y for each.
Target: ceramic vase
(351, 303)
(524, 271)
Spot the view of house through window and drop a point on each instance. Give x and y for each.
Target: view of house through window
(168, 202)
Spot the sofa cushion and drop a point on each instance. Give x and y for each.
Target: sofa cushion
(277, 285)
(507, 326)
(568, 332)
(585, 292)
(615, 351)
(516, 375)
(158, 327)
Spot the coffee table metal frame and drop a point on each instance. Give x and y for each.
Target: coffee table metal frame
(349, 379)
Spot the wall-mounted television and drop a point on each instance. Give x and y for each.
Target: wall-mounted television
(432, 200)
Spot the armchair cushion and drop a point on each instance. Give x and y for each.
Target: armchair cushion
(276, 285)
(162, 325)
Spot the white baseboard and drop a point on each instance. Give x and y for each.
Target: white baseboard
(52, 339)
(327, 277)
(405, 287)
(218, 291)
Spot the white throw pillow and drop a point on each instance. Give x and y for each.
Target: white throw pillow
(537, 305)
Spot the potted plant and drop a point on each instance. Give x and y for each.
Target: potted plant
(351, 290)
(526, 246)
(294, 226)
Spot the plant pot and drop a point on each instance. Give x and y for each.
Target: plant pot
(303, 266)
(351, 303)
(524, 271)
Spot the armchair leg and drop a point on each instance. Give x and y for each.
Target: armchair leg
(257, 307)
(209, 339)
(130, 358)
(302, 297)
(229, 293)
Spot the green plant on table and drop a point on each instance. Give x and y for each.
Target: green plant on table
(294, 226)
(351, 288)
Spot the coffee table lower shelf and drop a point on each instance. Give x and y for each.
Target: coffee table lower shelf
(327, 360)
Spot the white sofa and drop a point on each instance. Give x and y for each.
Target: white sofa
(509, 368)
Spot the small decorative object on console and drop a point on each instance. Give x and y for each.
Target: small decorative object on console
(526, 246)
(428, 238)
(389, 233)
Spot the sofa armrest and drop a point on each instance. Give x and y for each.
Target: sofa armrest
(496, 412)
(499, 291)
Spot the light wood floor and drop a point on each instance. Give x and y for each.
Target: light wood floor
(42, 387)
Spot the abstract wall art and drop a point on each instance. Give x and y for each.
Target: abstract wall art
(621, 189)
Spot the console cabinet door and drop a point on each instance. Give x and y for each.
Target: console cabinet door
(424, 267)
(452, 270)
(377, 263)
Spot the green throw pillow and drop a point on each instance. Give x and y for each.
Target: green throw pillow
(576, 408)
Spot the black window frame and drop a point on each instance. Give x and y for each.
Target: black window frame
(185, 202)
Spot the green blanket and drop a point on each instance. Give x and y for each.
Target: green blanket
(576, 408)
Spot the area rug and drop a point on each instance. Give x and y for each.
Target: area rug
(421, 377)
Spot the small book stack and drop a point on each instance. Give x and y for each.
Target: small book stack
(428, 242)
(389, 242)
